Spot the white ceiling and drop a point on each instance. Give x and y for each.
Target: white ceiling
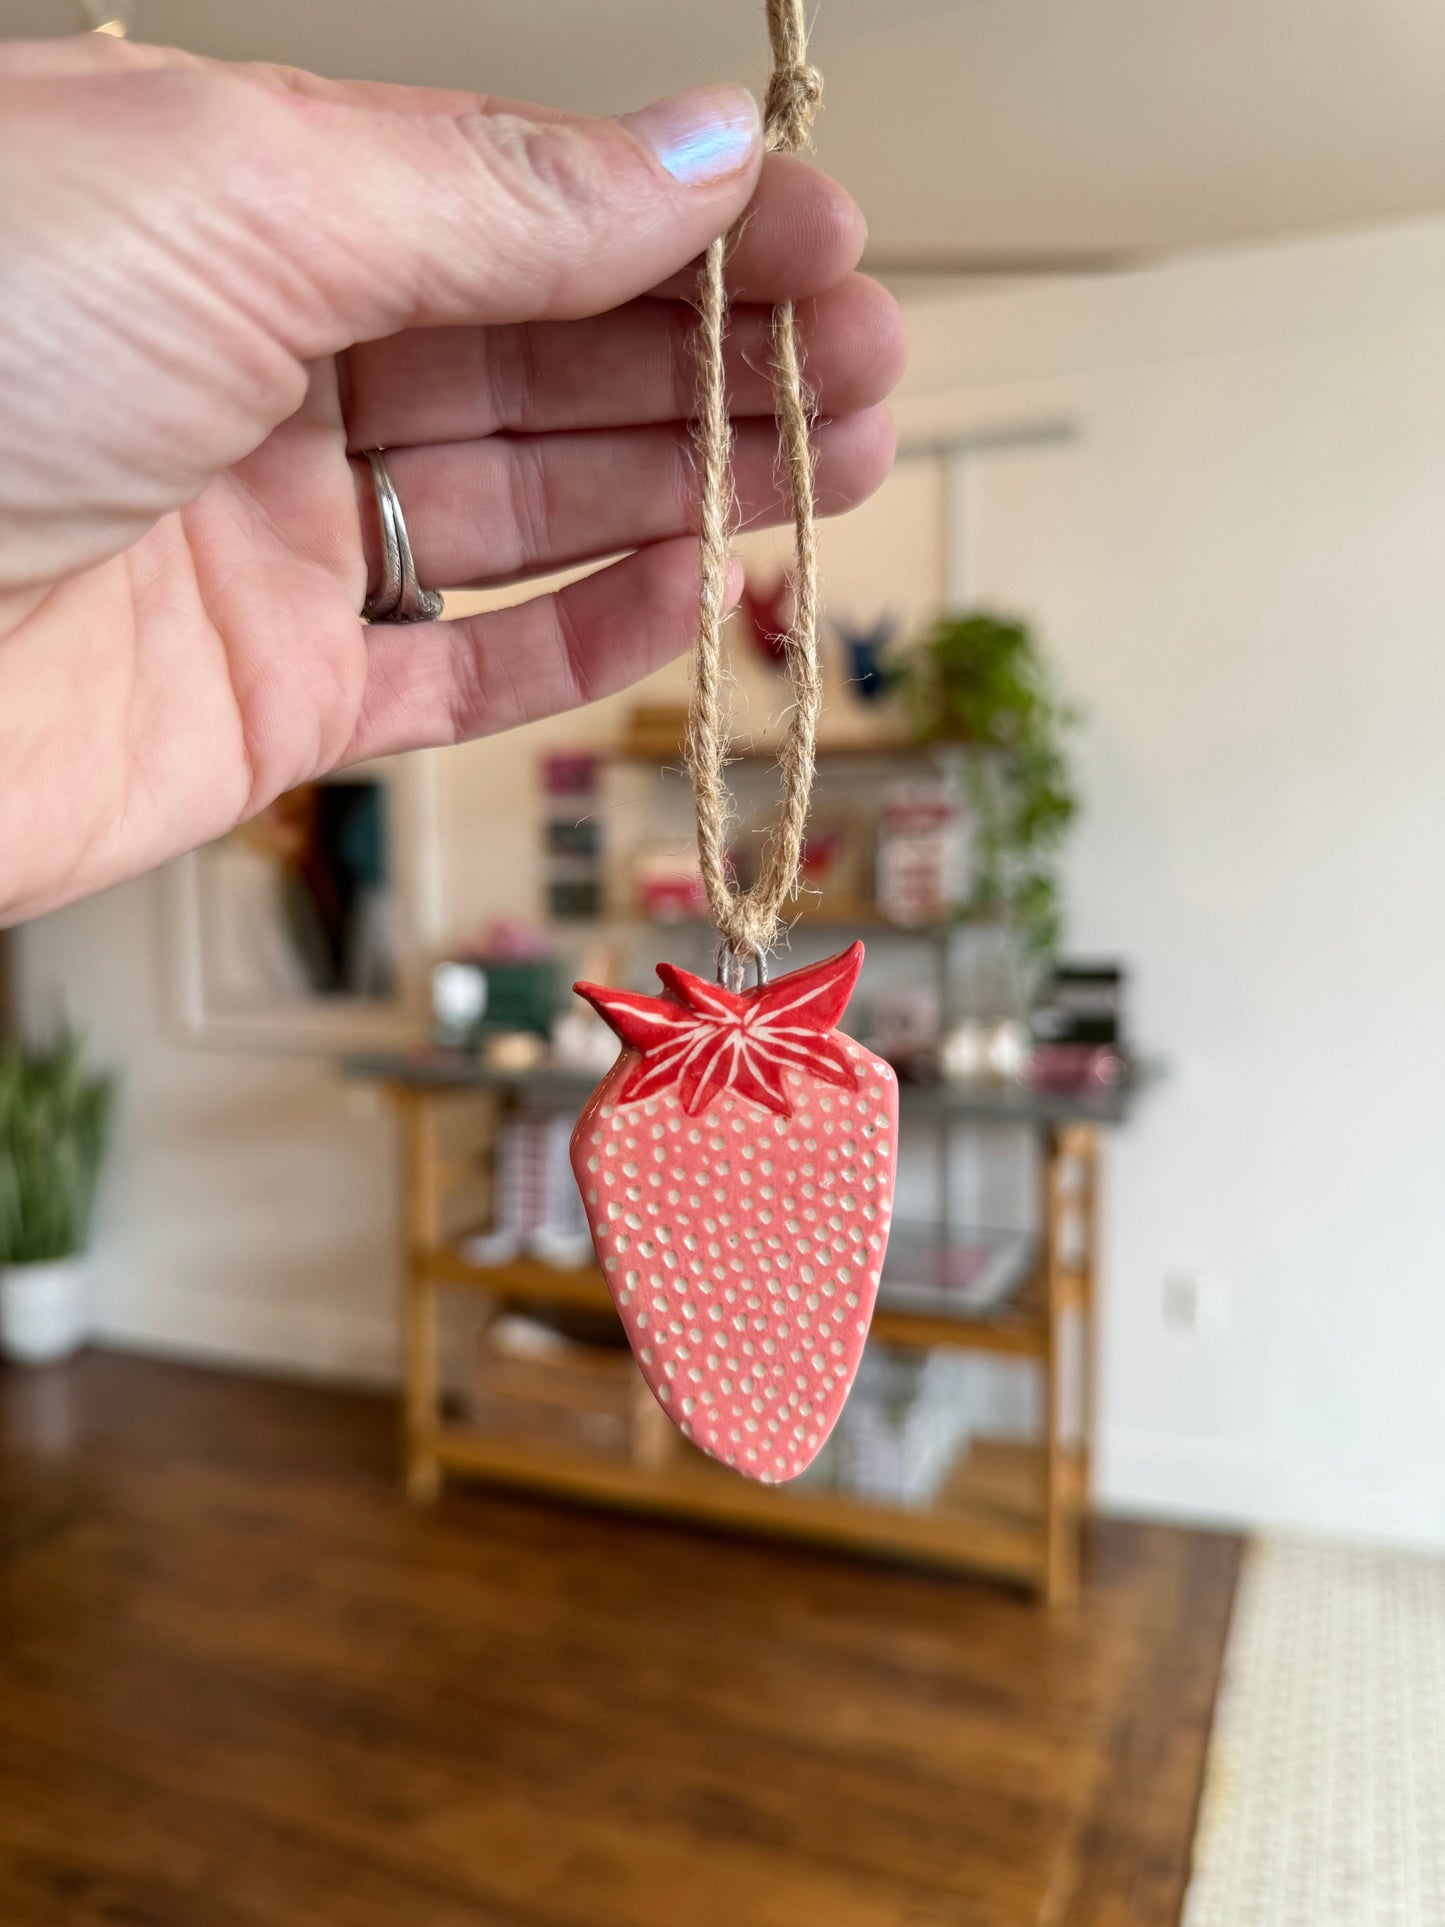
(996, 126)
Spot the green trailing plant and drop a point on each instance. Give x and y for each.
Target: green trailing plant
(54, 1119)
(978, 681)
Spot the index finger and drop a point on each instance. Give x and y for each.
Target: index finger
(802, 232)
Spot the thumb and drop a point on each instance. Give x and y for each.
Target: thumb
(497, 215)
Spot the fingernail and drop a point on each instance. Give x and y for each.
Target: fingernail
(701, 136)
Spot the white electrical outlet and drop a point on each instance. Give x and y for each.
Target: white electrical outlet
(1180, 1301)
(1195, 1304)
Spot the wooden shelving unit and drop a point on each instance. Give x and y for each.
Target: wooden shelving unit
(989, 1517)
(1010, 1510)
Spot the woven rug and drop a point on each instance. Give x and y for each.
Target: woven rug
(1324, 1796)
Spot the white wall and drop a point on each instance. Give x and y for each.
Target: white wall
(249, 1209)
(1239, 569)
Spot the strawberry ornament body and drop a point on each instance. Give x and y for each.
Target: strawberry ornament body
(737, 1166)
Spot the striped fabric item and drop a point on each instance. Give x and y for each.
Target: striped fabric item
(538, 1209)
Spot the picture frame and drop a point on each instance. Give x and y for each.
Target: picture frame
(309, 929)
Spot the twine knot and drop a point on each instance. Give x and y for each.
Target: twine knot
(794, 94)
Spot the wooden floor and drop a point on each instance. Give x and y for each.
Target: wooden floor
(243, 1684)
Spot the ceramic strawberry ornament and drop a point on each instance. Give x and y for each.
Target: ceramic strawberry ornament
(737, 1162)
(737, 1167)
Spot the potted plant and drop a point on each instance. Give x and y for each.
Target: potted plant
(978, 681)
(53, 1125)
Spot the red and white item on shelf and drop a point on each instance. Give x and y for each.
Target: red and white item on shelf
(538, 1212)
(922, 858)
(1066, 1068)
(766, 612)
(737, 1167)
(669, 883)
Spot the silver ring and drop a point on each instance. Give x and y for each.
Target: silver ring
(401, 598)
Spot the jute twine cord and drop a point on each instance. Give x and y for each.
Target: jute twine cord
(748, 920)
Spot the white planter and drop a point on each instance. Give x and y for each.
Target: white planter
(44, 1310)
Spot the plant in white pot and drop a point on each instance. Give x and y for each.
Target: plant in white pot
(54, 1116)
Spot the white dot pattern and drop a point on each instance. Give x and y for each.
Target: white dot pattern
(743, 1252)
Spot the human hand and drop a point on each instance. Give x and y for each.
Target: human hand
(221, 283)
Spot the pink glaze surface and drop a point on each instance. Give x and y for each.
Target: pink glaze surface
(737, 1165)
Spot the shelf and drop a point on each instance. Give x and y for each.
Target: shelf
(522, 1281)
(981, 1292)
(427, 1067)
(662, 751)
(988, 1517)
(827, 913)
(1023, 1104)
(921, 1311)
(1013, 1512)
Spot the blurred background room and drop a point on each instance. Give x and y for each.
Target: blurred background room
(351, 1575)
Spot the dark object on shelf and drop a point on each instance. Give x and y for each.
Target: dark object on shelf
(475, 996)
(581, 1326)
(574, 899)
(865, 652)
(522, 996)
(1076, 1067)
(572, 835)
(1082, 1004)
(568, 838)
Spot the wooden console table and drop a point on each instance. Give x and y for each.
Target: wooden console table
(1008, 1509)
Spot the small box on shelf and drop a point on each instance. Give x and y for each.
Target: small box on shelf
(572, 839)
(976, 1274)
(905, 1427)
(922, 856)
